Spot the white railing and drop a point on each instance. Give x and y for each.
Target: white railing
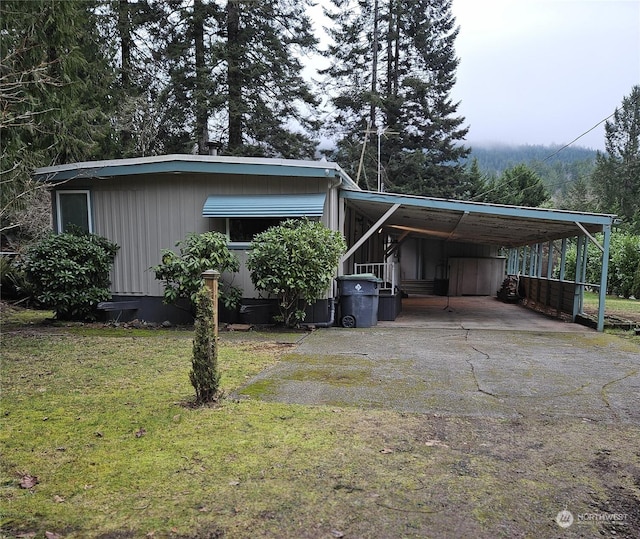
(386, 271)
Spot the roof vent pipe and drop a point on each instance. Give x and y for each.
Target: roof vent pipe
(214, 147)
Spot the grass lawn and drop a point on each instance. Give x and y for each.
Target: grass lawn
(629, 308)
(98, 440)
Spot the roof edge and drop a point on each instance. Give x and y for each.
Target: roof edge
(176, 163)
(481, 207)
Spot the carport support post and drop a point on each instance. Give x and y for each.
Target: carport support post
(550, 260)
(581, 252)
(563, 259)
(211, 278)
(602, 297)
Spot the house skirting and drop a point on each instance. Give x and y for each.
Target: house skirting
(251, 311)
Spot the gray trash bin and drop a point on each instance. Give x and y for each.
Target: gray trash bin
(359, 300)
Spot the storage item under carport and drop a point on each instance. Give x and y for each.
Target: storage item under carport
(359, 296)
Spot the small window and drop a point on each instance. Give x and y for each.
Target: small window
(74, 210)
(243, 229)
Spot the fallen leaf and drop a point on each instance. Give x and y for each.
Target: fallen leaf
(98, 434)
(58, 499)
(28, 481)
(140, 433)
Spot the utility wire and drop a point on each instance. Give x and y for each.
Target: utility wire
(548, 157)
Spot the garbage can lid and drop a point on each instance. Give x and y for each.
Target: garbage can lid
(360, 277)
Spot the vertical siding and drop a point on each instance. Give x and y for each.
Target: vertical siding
(147, 214)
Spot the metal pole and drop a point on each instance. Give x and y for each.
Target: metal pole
(563, 259)
(211, 278)
(602, 297)
(577, 292)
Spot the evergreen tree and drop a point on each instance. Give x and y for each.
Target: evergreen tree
(54, 91)
(235, 70)
(392, 70)
(133, 28)
(474, 183)
(517, 186)
(616, 178)
(61, 40)
(266, 92)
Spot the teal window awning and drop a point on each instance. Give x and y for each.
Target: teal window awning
(298, 205)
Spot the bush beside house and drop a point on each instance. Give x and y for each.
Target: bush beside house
(69, 273)
(181, 272)
(296, 262)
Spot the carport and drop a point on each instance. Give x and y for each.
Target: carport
(534, 240)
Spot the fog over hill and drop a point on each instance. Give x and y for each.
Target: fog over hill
(557, 166)
(495, 158)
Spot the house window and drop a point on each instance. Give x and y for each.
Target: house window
(242, 230)
(73, 210)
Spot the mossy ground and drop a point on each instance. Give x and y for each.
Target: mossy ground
(102, 420)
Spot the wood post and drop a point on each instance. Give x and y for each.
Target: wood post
(211, 278)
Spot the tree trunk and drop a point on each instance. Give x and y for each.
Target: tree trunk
(202, 110)
(234, 78)
(124, 31)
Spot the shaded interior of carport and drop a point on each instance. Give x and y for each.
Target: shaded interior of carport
(535, 240)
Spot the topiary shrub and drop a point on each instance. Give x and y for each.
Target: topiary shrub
(296, 261)
(70, 273)
(204, 374)
(181, 272)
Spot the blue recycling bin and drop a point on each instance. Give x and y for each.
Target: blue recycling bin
(359, 296)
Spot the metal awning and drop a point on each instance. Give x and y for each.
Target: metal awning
(298, 205)
(472, 222)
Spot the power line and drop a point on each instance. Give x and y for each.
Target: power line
(496, 186)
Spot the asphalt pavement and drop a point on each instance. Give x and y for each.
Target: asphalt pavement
(469, 363)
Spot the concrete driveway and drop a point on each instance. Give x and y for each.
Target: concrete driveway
(519, 364)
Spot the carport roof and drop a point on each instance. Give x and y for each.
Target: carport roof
(473, 222)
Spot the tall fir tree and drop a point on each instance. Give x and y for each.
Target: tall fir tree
(616, 178)
(132, 27)
(236, 77)
(55, 92)
(392, 71)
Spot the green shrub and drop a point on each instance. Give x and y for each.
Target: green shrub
(69, 273)
(182, 273)
(295, 261)
(204, 374)
(13, 281)
(624, 265)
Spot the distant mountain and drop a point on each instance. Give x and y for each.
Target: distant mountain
(557, 167)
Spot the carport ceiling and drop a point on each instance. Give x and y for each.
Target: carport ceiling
(492, 224)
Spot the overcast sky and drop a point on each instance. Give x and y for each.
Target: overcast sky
(544, 71)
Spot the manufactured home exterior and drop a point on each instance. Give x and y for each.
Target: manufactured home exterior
(415, 245)
(146, 205)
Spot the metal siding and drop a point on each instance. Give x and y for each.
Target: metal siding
(146, 215)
